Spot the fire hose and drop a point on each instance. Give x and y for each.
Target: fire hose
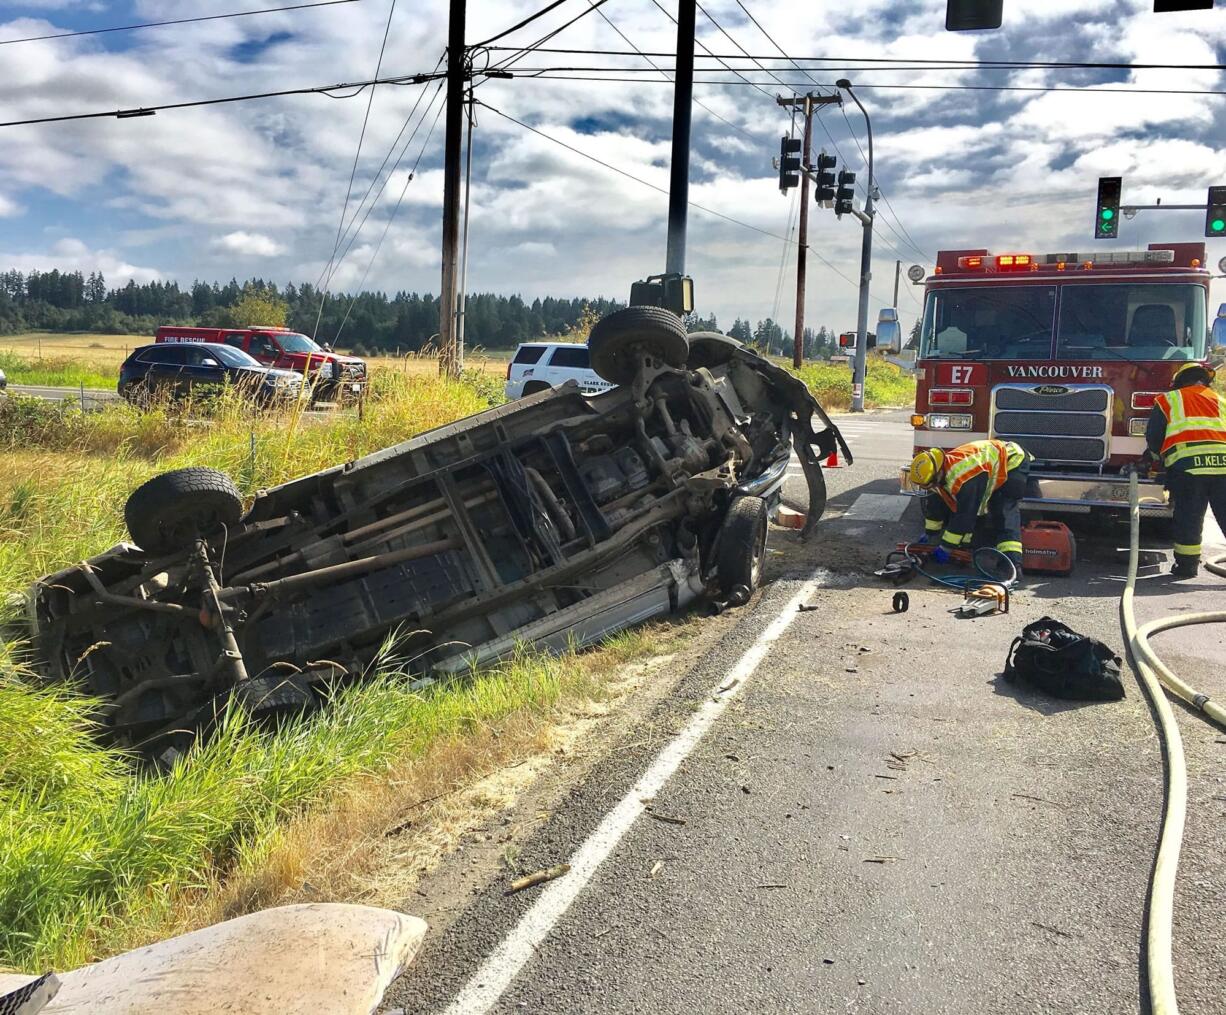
(1155, 676)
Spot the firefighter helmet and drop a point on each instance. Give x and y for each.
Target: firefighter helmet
(926, 467)
(1192, 373)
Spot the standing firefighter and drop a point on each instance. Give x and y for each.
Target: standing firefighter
(982, 479)
(1187, 430)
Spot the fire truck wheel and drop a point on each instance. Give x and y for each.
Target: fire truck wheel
(620, 338)
(742, 545)
(171, 510)
(271, 699)
(710, 349)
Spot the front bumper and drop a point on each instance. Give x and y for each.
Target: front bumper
(1074, 493)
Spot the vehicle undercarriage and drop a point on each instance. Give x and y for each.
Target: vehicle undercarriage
(552, 521)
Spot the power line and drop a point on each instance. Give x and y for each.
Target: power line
(696, 102)
(125, 114)
(733, 70)
(378, 174)
(969, 64)
(351, 237)
(545, 74)
(662, 190)
(514, 59)
(176, 21)
(353, 172)
(724, 32)
(520, 24)
(390, 219)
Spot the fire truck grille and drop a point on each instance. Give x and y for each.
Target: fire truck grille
(1055, 423)
(1076, 400)
(1067, 425)
(1073, 450)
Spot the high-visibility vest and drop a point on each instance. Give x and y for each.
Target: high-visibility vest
(964, 463)
(1195, 417)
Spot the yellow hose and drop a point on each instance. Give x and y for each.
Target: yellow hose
(1154, 676)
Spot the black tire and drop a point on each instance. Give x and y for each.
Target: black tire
(742, 545)
(171, 510)
(619, 338)
(274, 698)
(532, 387)
(710, 349)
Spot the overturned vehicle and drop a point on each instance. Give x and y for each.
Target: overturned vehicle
(553, 521)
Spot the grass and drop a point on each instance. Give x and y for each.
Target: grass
(58, 372)
(885, 385)
(97, 856)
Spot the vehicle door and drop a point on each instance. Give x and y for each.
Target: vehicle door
(571, 363)
(265, 349)
(166, 364)
(202, 368)
(238, 339)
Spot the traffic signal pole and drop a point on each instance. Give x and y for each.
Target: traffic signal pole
(798, 342)
(807, 103)
(866, 263)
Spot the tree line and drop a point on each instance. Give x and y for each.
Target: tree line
(369, 321)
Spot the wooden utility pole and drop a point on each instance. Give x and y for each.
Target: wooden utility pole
(457, 80)
(897, 272)
(679, 174)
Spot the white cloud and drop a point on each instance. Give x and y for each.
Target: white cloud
(71, 254)
(215, 191)
(247, 244)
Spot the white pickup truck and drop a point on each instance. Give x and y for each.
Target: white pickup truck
(540, 365)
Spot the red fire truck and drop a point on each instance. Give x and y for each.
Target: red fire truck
(1062, 353)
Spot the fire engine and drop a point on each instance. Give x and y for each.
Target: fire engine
(1063, 354)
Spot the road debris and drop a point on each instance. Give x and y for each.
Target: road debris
(656, 868)
(666, 818)
(537, 878)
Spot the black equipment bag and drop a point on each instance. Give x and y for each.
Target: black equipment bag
(1054, 658)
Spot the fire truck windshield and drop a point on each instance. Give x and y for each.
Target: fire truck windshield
(294, 342)
(1131, 321)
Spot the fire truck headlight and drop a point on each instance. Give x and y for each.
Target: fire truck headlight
(949, 421)
(1137, 425)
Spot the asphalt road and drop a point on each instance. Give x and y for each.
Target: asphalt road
(867, 817)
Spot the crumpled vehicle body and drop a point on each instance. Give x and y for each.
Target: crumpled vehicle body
(552, 521)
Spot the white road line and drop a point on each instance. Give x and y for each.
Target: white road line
(494, 976)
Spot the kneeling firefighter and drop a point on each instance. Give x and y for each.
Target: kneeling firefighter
(980, 480)
(1187, 430)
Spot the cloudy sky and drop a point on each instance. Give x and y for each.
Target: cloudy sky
(257, 188)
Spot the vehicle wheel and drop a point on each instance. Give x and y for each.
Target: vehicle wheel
(742, 545)
(168, 512)
(273, 698)
(711, 349)
(618, 339)
(532, 387)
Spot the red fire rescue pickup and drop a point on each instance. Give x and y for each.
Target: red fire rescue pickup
(1062, 353)
(333, 377)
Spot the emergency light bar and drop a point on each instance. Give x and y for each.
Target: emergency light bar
(1086, 261)
(1113, 257)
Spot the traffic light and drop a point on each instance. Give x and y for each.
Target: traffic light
(1107, 220)
(789, 163)
(846, 192)
(825, 178)
(973, 15)
(1215, 213)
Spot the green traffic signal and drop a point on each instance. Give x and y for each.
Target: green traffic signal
(1218, 225)
(1107, 213)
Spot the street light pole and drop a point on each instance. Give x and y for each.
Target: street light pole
(866, 260)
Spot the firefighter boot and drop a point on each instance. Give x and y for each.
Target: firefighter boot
(1185, 566)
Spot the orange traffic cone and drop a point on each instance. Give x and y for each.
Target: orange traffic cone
(832, 460)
